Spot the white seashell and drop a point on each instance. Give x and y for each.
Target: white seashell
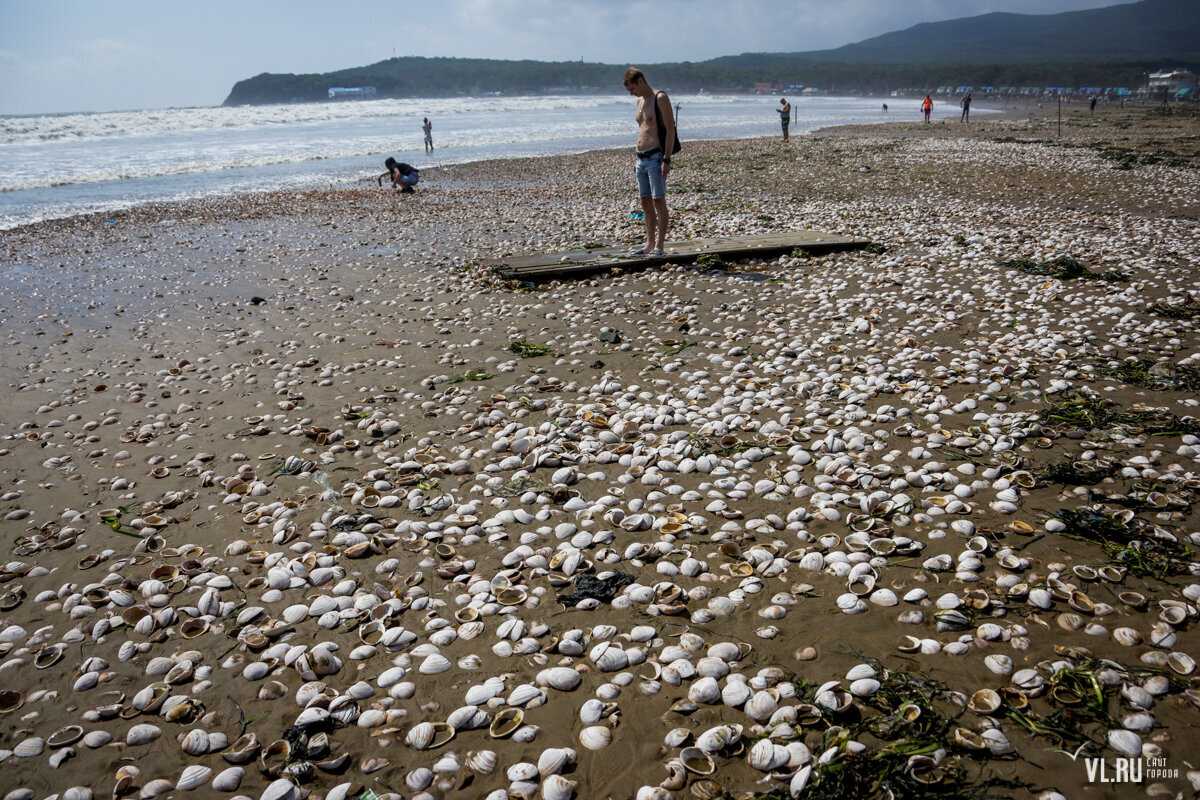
(195, 743)
(860, 671)
(799, 781)
(435, 664)
(592, 711)
(155, 787)
(341, 791)
(523, 694)
(553, 760)
(735, 693)
(30, 747)
(281, 789)
(562, 678)
(1125, 743)
(371, 718)
(481, 762)
(556, 787)
(761, 706)
(229, 780)
(595, 737)
(864, 687)
(143, 733)
(193, 777)
(766, 756)
(466, 718)
(419, 779)
(96, 739)
(1040, 598)
(390, 677)
(521, 771)
(705, 690)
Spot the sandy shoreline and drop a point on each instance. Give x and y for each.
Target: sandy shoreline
(744, 413)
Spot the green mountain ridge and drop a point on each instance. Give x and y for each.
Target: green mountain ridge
(1108, 46)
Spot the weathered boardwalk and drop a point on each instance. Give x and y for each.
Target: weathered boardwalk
(576, 262)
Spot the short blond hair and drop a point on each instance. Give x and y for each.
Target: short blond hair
(632, 75)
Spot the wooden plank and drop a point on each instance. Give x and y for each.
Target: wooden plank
(577, 262)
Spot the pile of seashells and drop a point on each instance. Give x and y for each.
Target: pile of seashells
(823, 551)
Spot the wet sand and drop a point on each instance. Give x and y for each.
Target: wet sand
(317, 390)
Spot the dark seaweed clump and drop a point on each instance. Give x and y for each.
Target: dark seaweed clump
(1065, 268)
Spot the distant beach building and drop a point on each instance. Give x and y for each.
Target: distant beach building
(1178, 82)
(352, 93)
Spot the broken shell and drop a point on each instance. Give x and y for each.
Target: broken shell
(506, 722)
(65, 736)
(984, 701)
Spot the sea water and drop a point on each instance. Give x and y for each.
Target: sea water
(61, 165)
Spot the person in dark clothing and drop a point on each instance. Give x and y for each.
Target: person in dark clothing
(403, 176)
(966, 109)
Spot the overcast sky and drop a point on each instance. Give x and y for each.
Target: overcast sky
(99, 55)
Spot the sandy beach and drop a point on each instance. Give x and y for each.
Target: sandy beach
(293, 486)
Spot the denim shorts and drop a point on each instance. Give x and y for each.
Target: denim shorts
(651, 182)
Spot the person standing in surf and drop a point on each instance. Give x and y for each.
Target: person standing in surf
(653, 157)
(427, 127)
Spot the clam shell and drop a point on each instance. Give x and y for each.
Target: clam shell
(595, 737)
(1125, 743)
(984, 701)
(553, 760)
(481, 762)
(228, 780)
(562, 678)
(142, 734)
(697, 761)
(29, 747)
(280, 789)
(556, 787)
(193, 777)
(65, 736)
(506, 722)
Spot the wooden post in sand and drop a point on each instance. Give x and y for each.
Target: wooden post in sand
(1060, 116)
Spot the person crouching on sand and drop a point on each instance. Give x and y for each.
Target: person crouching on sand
(403, 176)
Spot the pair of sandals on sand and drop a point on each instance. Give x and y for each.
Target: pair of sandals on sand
(642, 251)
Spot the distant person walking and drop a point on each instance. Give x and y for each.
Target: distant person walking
(927, 106)
(785, 115)
(403, 176)
(966, 108)
(655, 144)
(1092, 106)
(885, 108)
(428, 128)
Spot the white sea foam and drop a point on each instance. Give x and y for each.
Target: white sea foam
(59, 165)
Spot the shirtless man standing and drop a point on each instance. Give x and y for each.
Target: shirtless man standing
(653, 157)
(785, 115)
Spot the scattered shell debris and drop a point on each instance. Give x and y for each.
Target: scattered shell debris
(903, 521)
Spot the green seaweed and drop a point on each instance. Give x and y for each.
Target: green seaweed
(1132, 543)
(1064, 268)
(711, 261)
(1156, 375)
(526, 349)
(1078, 473)
(471, 375)
(1083, 411)
(1186, 310)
